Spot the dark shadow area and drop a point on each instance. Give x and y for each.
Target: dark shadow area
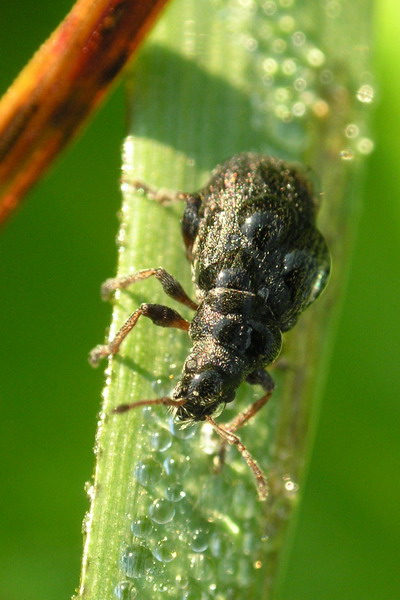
(221, 105)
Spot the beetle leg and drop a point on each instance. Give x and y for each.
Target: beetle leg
(170, 285)
(160, 195)
(247, 414)
(159, 314)
(259, 377)
(190, 218)
(230, 438)
(262, 378)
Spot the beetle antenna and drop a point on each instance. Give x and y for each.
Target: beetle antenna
(165, 400)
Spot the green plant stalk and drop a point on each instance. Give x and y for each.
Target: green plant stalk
(212, 81)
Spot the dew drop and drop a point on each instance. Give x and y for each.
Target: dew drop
(161, 440)
(346, 154)
(300, 84)
(136, 561)
(270, 66)
(243, 575)
(182, 433)
(268, 80)
(251, 44)
(208, 440)
(220, 545)
(148, 414)
(333, 9)
(175, 493)
(161, 511)
(266, 32)
(282, 94)
(125, 591)
(195, 592)
(125, 188)
(315, 57)
(298, 38)
(242, 502)
(287, 23)
(160, 586)
(227, 566)
(141, 527)
(279, 45)
(326, 76)
(291, 487)
(199, 541)
(201, 567)
(147, 472)
(165, 551)
(298, 109)
(248, 543)
(289, 67)
(160, 386)
(89, 490)
(86, 523)
(365, 94)
(176, 467)
(351, 131)
(365, 146)
(182, 581)
(283, 113)
(320, 108)
(269, 8)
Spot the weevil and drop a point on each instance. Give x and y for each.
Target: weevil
(258, 260)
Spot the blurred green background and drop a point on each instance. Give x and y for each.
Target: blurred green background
(54, 254)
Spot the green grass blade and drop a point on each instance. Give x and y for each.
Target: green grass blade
(217, 78)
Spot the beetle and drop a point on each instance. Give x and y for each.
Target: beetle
(258, 260)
